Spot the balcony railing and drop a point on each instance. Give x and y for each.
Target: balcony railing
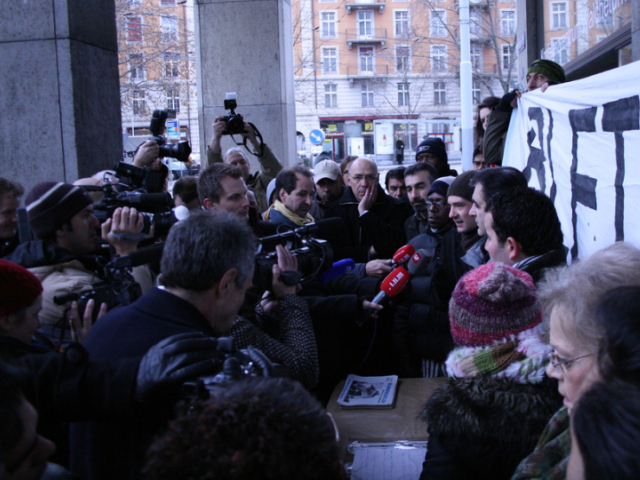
(374, 35)
(365, 4)
(354, 72)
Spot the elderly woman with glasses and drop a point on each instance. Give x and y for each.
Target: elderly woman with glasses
(570, 295)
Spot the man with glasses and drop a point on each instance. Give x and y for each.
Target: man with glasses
(373, 221)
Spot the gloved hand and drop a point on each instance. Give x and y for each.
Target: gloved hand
(177, 359)
(506, 102)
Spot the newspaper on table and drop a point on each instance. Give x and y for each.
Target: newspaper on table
(369, 392)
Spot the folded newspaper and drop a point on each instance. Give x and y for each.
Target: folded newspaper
(368, 392)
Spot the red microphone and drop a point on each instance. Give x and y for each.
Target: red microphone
(392, 284)
(403, 255)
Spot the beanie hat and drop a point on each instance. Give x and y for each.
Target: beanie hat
(435, 146)
(18, 288)
(490, 303)
(50, 205)
(549, 69)
(441, 186)
(460, 186)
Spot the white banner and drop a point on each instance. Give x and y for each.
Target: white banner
(385, 144)
(579, 142)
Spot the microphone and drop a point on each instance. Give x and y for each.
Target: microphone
(403, 255)
(392, 284)
(139, 257)
(338, 268)
(418, 261)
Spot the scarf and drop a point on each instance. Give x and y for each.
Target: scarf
(522, 358)
(278, 206)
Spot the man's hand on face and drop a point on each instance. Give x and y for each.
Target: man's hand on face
(146, 154)
(125, 220)
(369, 198)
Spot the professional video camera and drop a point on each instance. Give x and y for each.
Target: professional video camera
(179, 151)
(314, 255)
(117, 287)
(154, 207)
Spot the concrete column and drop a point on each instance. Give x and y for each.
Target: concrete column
(60, 102)
(246, 46)
(635, 31)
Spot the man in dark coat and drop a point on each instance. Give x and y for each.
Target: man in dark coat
(207, 267)
(373, 221)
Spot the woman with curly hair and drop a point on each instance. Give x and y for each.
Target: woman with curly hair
(259, 428)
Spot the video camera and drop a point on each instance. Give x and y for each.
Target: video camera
(314, 255)
(154, 207)
(181, 150)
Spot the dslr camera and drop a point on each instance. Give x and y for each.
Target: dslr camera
(234, 121)
(181, 150)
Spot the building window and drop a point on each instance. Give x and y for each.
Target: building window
(169, 29)
(329, 60)
(476, 92)
(365, 23)
(507, 51)
(508, 22)
(476, 57)
(167, 3)
(139, 103)
(560, 51)
(136, 66)
(367, 95)
(327, 1)
(366, 60)
(171, 65)
(328, 22)
(558, 15)
(438, 58)
(403, 59)
(475, 22)
(437, 21)
(401, 23)
(403, 94)
(134, 3)
(439, 93)
(330, 95)
(173, 99)
(134, 29)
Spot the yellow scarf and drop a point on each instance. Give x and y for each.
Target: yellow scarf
(280, 207)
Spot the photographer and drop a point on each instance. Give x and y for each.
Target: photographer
(270, 166)
(63, 256)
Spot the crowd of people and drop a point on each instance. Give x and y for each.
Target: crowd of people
(208, 349)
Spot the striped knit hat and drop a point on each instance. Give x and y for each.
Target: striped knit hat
(490, 303)
(52, 204)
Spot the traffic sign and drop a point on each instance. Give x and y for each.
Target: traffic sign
(316, 137)
(173, 129)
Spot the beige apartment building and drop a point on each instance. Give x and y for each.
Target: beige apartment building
(157, 65)
(369, 72)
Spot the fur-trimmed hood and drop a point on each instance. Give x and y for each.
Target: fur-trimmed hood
(492, 409)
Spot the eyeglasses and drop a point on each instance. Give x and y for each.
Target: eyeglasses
(359, 178)
(438, 204)
(559, 362)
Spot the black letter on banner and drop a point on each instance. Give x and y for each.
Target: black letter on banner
(583, 187)
(620, 116)
(536, 156)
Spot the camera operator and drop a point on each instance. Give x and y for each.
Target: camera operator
(63, 255)
(207, 266)
(270, 166)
